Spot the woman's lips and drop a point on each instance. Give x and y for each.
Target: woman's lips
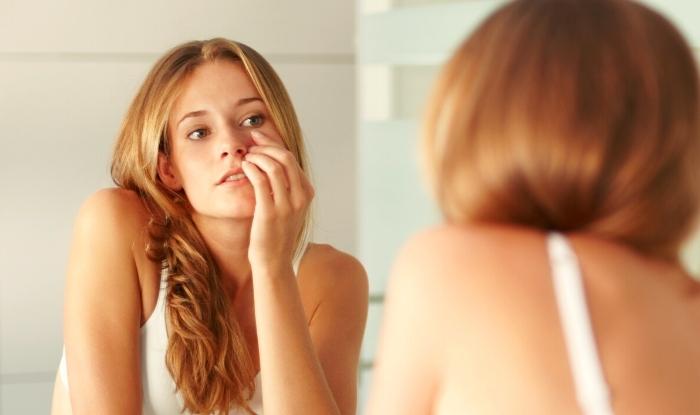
(233, 173)
(234, 180)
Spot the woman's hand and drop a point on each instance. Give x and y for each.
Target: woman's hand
(282, 196)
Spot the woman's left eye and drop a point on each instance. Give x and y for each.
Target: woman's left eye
(254, 121)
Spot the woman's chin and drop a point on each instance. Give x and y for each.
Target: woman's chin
(240, 212)
(241, 208)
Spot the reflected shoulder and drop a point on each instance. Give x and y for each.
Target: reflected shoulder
(115, 215)
(326, 256)
(329, 275)
(114, 199)
(326, 265)
(120, 207)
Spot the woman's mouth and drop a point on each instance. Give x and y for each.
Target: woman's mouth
(235, 180)
(234, 177)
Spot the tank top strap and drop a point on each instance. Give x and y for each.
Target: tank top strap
(592, 390)
(164, 275)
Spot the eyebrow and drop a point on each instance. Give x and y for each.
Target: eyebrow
(199, 113)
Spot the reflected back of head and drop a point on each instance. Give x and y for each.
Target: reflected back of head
(571, 115)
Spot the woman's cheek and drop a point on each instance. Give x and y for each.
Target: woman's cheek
(271, 131)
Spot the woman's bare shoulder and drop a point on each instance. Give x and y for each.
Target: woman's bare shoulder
(118, 211)
(328, 274)
(324, 255)
(116, 220)
(123, 203)
(324, 265)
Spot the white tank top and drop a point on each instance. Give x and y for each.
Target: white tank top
(159, 395)
(592, 390)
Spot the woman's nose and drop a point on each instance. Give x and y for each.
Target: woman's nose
(239, 151)
(235, 145)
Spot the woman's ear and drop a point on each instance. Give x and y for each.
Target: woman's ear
(166, 173)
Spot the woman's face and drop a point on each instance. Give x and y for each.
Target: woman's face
(209, 130)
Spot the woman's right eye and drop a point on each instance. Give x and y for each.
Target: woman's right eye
(198, 134)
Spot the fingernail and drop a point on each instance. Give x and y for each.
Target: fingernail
(256, 134)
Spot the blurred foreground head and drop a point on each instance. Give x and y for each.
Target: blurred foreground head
(571, 115)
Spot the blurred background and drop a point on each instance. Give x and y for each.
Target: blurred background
(358, 73)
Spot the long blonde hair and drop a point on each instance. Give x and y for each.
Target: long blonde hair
(570, 115)
(207, 355)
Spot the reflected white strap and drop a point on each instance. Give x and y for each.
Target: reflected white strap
(63, 369)
(591, 389)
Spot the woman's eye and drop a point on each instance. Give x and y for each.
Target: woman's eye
(254, 121)
(198, 134)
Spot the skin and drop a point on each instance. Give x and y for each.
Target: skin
(305, 331)
(472, 309)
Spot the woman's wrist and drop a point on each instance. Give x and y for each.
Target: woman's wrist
(272, 269)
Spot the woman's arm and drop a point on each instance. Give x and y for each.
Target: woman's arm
(311, 369)
(305, 370)
(103, 308)
(334, 289)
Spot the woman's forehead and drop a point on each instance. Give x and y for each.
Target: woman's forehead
(218, 83)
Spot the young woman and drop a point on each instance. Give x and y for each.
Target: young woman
(191, 285)
(563, 146)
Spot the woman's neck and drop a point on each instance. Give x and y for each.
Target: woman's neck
(228, 241)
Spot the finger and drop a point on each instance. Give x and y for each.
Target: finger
(293, 171)
(261, 187)
(267, 160)
(262, 139)
(275, 174)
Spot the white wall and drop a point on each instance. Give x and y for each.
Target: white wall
(68, 70)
